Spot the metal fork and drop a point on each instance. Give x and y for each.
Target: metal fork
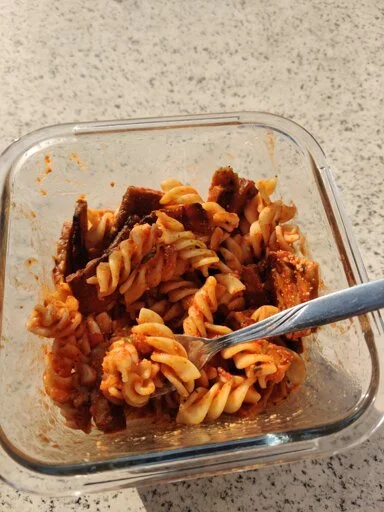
(347, 303)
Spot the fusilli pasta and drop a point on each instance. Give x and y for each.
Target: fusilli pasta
(72, 368)
(58, 316)
(199, 321)
(210, 404)
(99, 227)
(264, 220)
(177, 193)
(169, 353)
(122, 260)
(168, 263)
(178, 252)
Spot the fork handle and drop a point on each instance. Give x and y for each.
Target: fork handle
(353, 301)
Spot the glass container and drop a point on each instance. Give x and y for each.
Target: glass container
(41, 176)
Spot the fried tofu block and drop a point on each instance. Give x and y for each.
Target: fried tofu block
(230, 191)
(138, 201)
(293, 280)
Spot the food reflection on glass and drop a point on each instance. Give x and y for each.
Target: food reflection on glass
(164, 263)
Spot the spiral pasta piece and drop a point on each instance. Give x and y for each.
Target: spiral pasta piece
(266, 232)
(199, 321)
(177, 193)
(189, 248)
(58, 316)
(217, 238)
(178, 289)
(169, 353)
(222, 397)
(231, 293)
(72, 366)
(175, 297)
(123, 260)
(262, 360)
(99, 227)
(161, 267)
(177, 251)
(263, 220)
(262, 199)
(283, 237)
(256, 238)
(235, 251)
(127, 377)
(207, 374)
(171, 313)
(264, 312)
(220, 218)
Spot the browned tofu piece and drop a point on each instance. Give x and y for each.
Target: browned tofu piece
(71, 253)
(238, 319)
(87, 294)
(192, 216)
(293, 280)
(78, 252)
(255, 290)
(231, 191)
(62, 259)
(138, 201)
(107, 416)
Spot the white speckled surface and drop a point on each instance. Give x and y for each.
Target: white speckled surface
(319, 63)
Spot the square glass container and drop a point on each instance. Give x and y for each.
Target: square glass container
(41, 176)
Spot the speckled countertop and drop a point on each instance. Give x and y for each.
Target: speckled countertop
(319, 63)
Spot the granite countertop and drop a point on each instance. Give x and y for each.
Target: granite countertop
(319, 63)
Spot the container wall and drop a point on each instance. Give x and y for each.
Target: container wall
(44, 185)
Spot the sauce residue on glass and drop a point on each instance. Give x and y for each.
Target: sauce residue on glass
(47, 170)
(30, 261)
(74, 157)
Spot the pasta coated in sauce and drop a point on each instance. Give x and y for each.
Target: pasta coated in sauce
(164, 263)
